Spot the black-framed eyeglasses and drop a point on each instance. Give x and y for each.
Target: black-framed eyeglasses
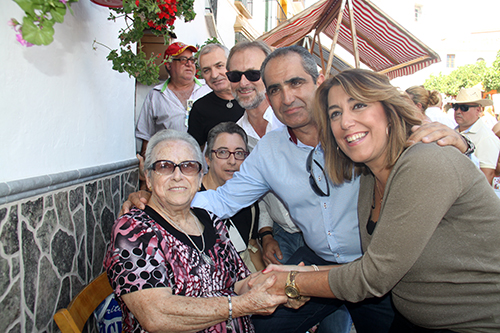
(463, 107)
(317, 176)
(224, 154)
(251, 75)
(165, 167)
(184, 60)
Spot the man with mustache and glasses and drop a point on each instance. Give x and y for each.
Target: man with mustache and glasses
(168, 104)
(468, 106)
(219, 105)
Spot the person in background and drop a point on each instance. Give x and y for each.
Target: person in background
(219, 105)
(468, 106)
(289, 162)
(496, 179)
(174, 268)
(429, 232)
(168, 104)
(226, 149)
(430, 103)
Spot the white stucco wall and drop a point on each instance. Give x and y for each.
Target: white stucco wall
(62, 106)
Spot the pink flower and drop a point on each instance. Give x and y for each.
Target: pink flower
(63, 1)
(21, 40)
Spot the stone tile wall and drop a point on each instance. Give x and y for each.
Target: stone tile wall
(52, 245)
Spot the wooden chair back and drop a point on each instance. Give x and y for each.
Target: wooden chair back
(73, 318)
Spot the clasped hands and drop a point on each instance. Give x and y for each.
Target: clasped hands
(278, 288)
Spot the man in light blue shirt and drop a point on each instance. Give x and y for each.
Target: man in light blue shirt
(326, 214)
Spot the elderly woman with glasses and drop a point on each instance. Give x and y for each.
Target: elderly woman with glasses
(174, 268)
(429, 220)
(227, 148)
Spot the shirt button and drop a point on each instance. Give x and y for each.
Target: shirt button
(338, 255)
(329, 233)
(324, 205)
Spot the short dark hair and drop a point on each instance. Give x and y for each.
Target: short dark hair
(226, 127)
(307, 60)
(257, 44)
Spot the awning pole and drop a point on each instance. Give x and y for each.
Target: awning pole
(321, 55)
(311, 50)
(353, 34)
(334, 41)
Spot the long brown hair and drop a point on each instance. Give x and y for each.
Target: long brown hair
(367, 87)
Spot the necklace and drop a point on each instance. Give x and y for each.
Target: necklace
(229, 104)
(202, 253)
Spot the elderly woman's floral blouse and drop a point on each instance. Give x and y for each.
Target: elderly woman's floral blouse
(147, 252)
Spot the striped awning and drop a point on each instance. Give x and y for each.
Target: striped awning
(382, 44)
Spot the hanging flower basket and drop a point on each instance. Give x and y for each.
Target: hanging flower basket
(157, 16)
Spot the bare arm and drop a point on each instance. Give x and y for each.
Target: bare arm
(442, 134)
(309, 281)
(489, 173)
(158, 310)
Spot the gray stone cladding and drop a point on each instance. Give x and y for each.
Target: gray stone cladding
(52, 245)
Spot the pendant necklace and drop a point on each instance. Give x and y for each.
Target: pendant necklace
(229, 104)
(202, 253)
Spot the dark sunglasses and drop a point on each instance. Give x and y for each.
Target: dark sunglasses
(317, 177)
(251, 75)
(463, 107)
(224, 154)
(165, 167)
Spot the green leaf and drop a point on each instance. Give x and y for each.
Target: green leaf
(25, 5)
(38, 35)
(58, 14)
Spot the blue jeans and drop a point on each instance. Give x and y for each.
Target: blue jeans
(373, 315)
(289, 243)
(339, 321)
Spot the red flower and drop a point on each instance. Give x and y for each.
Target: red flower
(137, 3)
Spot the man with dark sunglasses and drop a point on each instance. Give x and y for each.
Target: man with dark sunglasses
(168, 104)
(327, 215)
(468, 107)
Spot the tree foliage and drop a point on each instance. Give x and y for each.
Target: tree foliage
(467, 76)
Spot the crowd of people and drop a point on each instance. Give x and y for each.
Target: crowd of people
(324, 202)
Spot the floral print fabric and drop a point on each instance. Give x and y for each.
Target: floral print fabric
(147, 252)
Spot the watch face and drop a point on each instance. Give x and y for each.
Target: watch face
(291, 292)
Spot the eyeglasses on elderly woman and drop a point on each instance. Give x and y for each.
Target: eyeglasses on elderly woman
(165, 167)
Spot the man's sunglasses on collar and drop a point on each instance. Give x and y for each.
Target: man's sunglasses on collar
(463, 107)
(251, 75)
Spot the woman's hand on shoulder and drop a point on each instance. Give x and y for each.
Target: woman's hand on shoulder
(138, 199)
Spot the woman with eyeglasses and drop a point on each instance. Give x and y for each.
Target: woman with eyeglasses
(227, 148)
(429, 220)
(174, 268)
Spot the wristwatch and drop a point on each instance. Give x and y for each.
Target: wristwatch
(291, 289)
(470, 145)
